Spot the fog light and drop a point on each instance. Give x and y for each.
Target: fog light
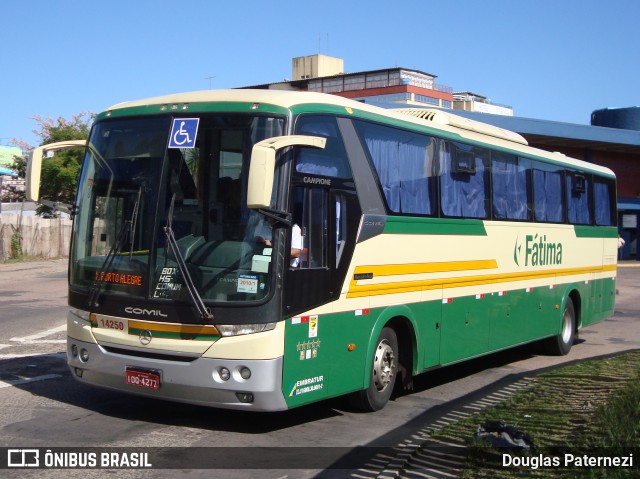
(245, 373)
(245, 397)
(84, 355)
(224, 374)
(79, 372)
(74, 350)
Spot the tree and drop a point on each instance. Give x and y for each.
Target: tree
(60, 173)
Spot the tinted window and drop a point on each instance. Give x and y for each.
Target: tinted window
(404, 164)
(330, 161)
(578, 204)
(464, 184)
(510, 178)
(548, 199)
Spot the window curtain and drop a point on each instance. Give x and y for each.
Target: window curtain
(578, 202)
(462, 194)
(510, 197)
(547, 196)
(602, 194)
(403, 162)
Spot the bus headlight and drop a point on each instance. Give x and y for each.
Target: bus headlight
(240, 329)
(84, 355)
(224, 373)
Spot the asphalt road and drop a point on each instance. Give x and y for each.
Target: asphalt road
(42, 406)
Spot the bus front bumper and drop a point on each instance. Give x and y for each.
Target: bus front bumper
(198, 381)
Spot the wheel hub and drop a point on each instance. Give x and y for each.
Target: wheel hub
(384, 366)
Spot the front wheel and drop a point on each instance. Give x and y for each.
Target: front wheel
(383, 374)
(560, 345)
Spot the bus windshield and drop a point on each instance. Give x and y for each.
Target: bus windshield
(136, 187)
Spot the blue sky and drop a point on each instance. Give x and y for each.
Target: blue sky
(555, 60)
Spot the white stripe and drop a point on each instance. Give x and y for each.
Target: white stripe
(45, 341)
(16, 382)
(44, 334)
(32, 355)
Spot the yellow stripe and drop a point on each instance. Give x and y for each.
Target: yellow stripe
(417, 268)
(173, 328)
(357, 291)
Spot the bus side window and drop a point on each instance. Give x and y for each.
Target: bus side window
(329, 161)
(464, 185)
(510, 180)
(404, 164)
(604, 199)
(548, 198)
(578, 204)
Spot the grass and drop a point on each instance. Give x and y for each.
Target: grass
(589, 408)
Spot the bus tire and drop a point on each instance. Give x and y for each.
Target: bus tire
(560, 345)
(383, 373)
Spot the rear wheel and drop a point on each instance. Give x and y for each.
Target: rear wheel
(384, 368)
(560, 345)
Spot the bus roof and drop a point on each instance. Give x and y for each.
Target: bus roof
(432, 119)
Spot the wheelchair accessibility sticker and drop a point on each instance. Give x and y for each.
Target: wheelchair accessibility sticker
(183, 133)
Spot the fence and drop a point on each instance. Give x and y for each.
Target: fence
(40, 237)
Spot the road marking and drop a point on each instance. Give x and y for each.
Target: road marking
(32, 355)
(37, 338)
(17, 382)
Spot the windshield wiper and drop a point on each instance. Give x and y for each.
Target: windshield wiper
(127, 228)
(134, 222)
(182, 265)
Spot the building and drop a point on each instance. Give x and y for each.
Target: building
(399, 86)
(469, 101)
(612, 140)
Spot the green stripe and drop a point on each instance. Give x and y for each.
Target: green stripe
(596, 231)
(432, 129)
(434, 226)
(319, 108)
(195, 107)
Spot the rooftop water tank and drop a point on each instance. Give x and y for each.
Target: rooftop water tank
(622, 118)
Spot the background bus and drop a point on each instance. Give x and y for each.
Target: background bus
(424, 239)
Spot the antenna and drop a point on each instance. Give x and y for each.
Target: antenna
(210, 78)
(327, 45)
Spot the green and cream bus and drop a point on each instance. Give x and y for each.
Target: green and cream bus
(262, 250)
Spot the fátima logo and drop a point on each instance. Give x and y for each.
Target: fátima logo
(538, 251)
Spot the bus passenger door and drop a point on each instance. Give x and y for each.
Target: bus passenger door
(317, 345)
(308, 277)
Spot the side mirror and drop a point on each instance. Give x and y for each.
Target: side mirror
(34, 167)
(263, 162)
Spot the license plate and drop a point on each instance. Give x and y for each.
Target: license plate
(143, 379)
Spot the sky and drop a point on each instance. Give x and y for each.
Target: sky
(555, 60)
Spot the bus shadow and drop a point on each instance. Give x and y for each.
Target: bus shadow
(58, 385)
(446, 374)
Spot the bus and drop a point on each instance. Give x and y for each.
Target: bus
(261, 250)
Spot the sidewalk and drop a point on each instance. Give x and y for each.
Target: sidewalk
(46, 265)
(628, 263)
